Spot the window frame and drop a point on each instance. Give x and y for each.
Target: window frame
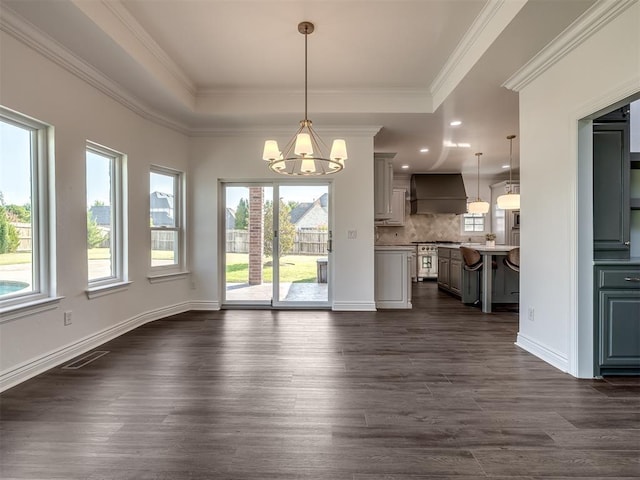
(463, 225)
(42, 222)
(119, 270)
(158, 272)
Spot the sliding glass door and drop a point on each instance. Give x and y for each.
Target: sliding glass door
(277, 242)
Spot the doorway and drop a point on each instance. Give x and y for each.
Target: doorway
(277, 245)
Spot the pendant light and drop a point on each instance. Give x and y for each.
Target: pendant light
(509, 201)
(478, 206)
(305, 154)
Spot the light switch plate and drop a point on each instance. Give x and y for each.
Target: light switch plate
(352, 234)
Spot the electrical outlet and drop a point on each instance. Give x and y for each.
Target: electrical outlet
(531, 314)
(67, 318)
(193, 284)
(352, 234)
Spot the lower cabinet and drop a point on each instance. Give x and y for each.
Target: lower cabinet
(393, 276)
(451, 273)
(455, 272)
(617, 320)
(443, 268)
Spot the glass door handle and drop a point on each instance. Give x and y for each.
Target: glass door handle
(329, 245)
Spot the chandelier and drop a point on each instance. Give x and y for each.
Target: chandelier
(510, 200)
(305, 154)
(478, 206)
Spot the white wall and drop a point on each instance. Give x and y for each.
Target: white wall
(238, 158)
(556, 274)
(35, 86)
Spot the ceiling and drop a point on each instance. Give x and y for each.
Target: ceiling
(409, 67)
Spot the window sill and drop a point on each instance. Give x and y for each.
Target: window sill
(168, 277)
(32, 307)
(101, 291)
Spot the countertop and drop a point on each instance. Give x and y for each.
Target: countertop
(633, 261)
(408, 248)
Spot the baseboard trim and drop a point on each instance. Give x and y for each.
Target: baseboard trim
(543, 352)
(354, 307)
(204, 305)
(31, 368)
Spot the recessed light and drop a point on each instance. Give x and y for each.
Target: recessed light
(405, 166)
(455, 123)
(424, 150)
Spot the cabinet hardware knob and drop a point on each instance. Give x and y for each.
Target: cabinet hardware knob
(627, 243)
(632, 279)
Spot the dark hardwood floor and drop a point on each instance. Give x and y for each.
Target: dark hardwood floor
(439, 392)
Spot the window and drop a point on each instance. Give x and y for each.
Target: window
(24, 211)
(105, 216)
(165, 210)
(473, 222)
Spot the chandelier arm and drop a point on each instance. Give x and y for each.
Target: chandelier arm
(286, 152)
(318, 144)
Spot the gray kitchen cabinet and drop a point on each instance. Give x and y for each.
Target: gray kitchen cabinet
(611, 174)
(455, 272)
(444, 259)
(617, 325)
(383, 185)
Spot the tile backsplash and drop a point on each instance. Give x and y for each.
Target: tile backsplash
(425, 228)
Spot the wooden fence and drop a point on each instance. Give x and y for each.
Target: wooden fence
(306, 242)
(24, 233)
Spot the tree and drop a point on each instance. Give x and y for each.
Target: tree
(286, 229)
(95, 236)
(242, 215)
(9, 238)
(19, 213)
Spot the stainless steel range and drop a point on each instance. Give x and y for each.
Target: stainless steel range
(427, 261)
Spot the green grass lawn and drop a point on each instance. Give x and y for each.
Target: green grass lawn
(93, 253)
(293, 268)
(15, 258)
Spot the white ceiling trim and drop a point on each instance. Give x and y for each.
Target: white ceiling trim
(490, 22)
(117, 23)
(265, 101)
(25, 32)
(599, 15)
(335, 130)
(129, 21)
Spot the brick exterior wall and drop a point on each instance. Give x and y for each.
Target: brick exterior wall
(256, 197)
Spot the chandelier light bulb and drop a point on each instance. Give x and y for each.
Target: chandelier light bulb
(271, 151)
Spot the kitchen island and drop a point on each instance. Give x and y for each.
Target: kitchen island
(500, 285)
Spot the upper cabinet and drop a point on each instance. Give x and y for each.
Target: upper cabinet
(611, 174)
(383, 185)
(398, 203)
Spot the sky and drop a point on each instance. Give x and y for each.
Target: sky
(15, 171)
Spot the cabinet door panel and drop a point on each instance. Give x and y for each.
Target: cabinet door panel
(620, 328)
(455, 276)
(611, 190)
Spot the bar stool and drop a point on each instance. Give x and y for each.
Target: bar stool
(512, 259)
(473, 263)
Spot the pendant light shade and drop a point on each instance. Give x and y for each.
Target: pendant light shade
(478, 207)
(510, 200)
(306, 153)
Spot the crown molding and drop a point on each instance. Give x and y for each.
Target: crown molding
(280, 131)
(490, 22)
(133, 26)
(591, 21)
(31, 36)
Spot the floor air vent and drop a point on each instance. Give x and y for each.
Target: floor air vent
(85, 360)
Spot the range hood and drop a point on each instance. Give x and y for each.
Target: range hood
(438, 193)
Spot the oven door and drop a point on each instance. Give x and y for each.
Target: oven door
(427, 265)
